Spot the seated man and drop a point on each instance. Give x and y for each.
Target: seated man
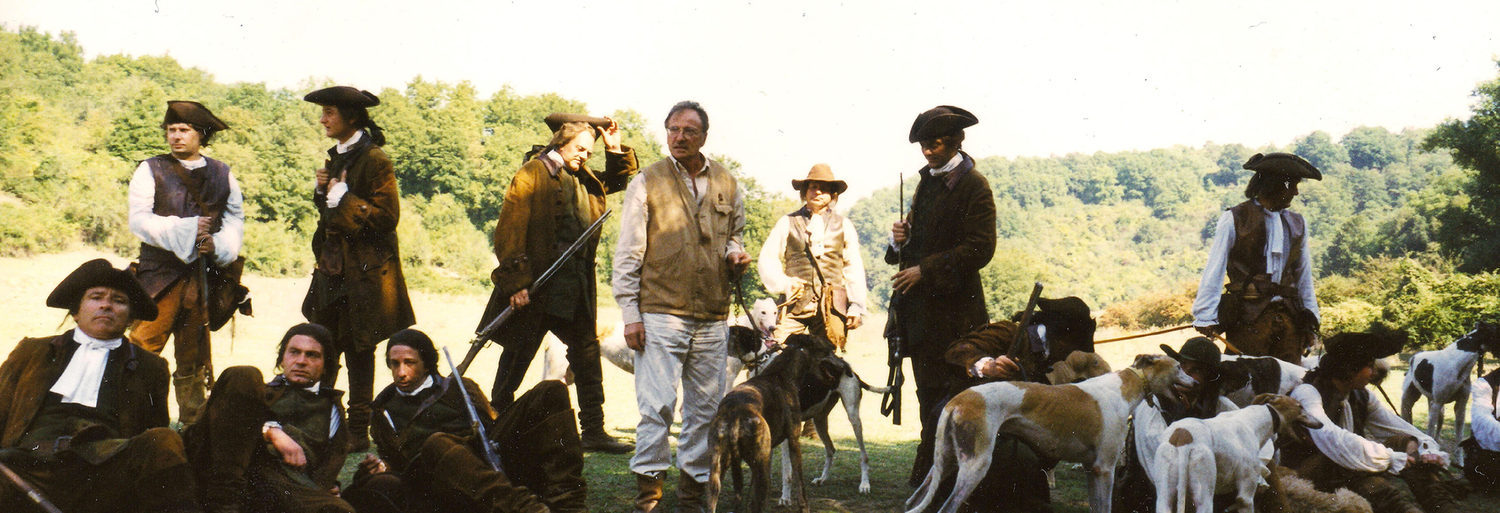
(273, 447)
(1134, 490)
(1016, 481)
(429, 458)
(1362, 445)
(1482, 450)
(84, 415)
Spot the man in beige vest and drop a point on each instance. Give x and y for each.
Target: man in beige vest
(679, 245)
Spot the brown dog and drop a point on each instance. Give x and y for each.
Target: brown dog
(761, 413)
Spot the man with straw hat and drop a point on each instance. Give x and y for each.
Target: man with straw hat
(811, 252)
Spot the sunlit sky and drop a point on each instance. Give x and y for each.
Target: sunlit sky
(791, 83)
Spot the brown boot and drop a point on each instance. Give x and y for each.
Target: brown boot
(190, 387)
(598, 440)
(648, 494)
(690, 494)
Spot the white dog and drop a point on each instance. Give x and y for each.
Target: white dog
(1442, 377)
(1083, 423)
(1199, 458)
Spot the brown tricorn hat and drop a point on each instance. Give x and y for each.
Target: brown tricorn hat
(556, 120)
(342, 96)
(98, 273)
(1283, 164)
(821, 173)
(192, 113)
(940, 121)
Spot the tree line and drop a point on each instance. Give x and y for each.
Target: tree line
(1406, 212)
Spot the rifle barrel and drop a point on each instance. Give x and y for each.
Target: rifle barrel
(478, 424)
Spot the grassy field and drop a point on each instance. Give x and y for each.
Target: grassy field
(450, 320)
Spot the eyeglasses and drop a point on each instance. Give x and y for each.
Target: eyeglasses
(686, 131)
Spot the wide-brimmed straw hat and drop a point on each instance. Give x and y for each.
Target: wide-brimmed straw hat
(821, 173)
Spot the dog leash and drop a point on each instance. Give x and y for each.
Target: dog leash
(1142, 335)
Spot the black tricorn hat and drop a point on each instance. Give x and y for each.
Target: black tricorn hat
(1196, 349)
(555, 120)
(342, 96)
(940, 121)
(1284, 164)
(1065, 318)
(1355, 347)
(98, 273)
(192, 113)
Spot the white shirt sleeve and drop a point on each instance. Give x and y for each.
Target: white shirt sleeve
(1482, 423)
(772, 269)
(1305, 281)
(736, 224)
(854, 271)
(1206, 304)
(336, 194)
(175, 234)
(231, 235)
(630, 250)
(1343, 447)
(1383, 423)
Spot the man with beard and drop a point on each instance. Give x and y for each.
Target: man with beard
(1268, 307)
(84, 415)
(277, 446)
(947, 237)
(430, 460)
(188, 212)
(551, 201)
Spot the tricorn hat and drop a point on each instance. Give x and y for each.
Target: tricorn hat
(555, 120)
(192, 113)
(342, 96)
(820, 173)
(98, 273)
(1284, 164)
(940, 121)
(1196, 349)
(1068, 320)
(1359, 346)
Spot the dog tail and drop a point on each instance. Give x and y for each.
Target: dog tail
(941, 461)
(868, 388)
(1182, 471)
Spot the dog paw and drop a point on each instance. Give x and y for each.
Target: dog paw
(818, 481)
(864, 487)
(784, 501)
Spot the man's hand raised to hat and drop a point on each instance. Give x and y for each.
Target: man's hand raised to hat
(611, 135)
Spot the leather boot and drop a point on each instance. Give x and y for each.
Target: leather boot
(690, 494)
(648, 493)
(598, 440)
(190, 388)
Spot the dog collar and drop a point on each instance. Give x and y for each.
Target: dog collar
(1137, 372)
(1275, 420)
(764, 357)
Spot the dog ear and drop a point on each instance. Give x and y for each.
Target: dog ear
(1144, 360)
(1262, 398)
(830, 369)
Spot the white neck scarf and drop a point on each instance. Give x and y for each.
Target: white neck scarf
(425, 385)
(958, 158)
(1275, 232)
(344, 147)
(80, 381)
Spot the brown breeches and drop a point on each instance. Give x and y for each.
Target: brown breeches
(148, 474)
(180, 316)
(229, 457)
(1273, 333)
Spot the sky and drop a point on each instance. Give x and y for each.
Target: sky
(788, 84)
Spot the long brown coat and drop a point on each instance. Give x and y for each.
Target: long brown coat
(35, 364)
(951, 238)
(525, 244)
(358, 240)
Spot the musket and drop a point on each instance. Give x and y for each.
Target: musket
(1018, 345)
(478, 425)
(484, 335)
(890, 402)
(31, 492)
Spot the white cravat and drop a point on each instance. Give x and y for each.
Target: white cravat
(952, 164)
(80, 381)
(425, 385)
(1275, 242)
(345, 146)
(336, 193)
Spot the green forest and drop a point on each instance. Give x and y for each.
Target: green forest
(1402, 224)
